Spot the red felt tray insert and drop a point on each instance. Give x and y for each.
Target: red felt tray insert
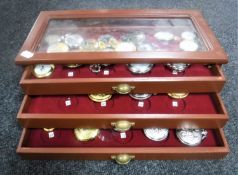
(121, 70)
(110, 138)
(123, 104)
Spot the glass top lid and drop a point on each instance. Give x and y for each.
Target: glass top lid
(121, 35)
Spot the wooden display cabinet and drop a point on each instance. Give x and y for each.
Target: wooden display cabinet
(118, 38)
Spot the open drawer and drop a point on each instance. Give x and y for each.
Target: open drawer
(196, 78)
(196, 110)
(34, 144)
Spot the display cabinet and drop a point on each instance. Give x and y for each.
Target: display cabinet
(122, 85)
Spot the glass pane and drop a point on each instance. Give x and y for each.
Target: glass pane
(121, 35)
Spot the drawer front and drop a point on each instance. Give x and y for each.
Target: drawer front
(215, 147)
(197, 78)
(196, 110)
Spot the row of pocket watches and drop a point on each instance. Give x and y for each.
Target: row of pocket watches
(45, 70)
(140, 103)
(189, 137)
(137, 41)
(139, 97)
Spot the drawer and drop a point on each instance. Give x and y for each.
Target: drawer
(196, 110)
(196, 78)
(34, 144)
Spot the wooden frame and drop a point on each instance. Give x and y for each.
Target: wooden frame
(104, 85)
(215, 53)
(59, 120)
(140, 153)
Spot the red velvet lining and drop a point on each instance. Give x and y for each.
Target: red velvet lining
(123, 104)
(109, 138)
(121, 70)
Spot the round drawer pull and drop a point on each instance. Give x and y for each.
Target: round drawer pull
(122, 159)
(122, 125)
(123, 88)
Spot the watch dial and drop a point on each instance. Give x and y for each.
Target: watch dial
(156, 134)
(43, 69)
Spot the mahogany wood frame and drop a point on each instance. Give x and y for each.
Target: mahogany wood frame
(143, 153)
(104, 85)
(38, 120)
(215, 53)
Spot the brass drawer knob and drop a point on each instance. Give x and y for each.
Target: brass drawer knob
(122, 159)
(122, 125)
(123, 88)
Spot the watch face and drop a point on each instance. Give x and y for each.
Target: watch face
(43, 70)
(125, 47)
(178, 67)
(164, 36)
(188, 45)
(140, 96)
(57, 47)
(156, 134)
(191, 137)
(86, 134)
(100, 97)
(187, 35)
(73, 40)
(139, 68)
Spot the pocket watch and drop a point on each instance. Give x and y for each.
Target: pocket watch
(48, 129)
(43, 70)
(177, 67)
(191, 137)
(107, 41)
(156, 134)
(72, 65)
(95, 68)
(57, 47)
(105, 65)
(140, 96)
(188, 45)
(89, 45)
(100, 97)
(187, 35)
(178, 95)
(86, 134)
(138, 37)
(139, 68)
(125, 47)
(164, 36)
(73, 40)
